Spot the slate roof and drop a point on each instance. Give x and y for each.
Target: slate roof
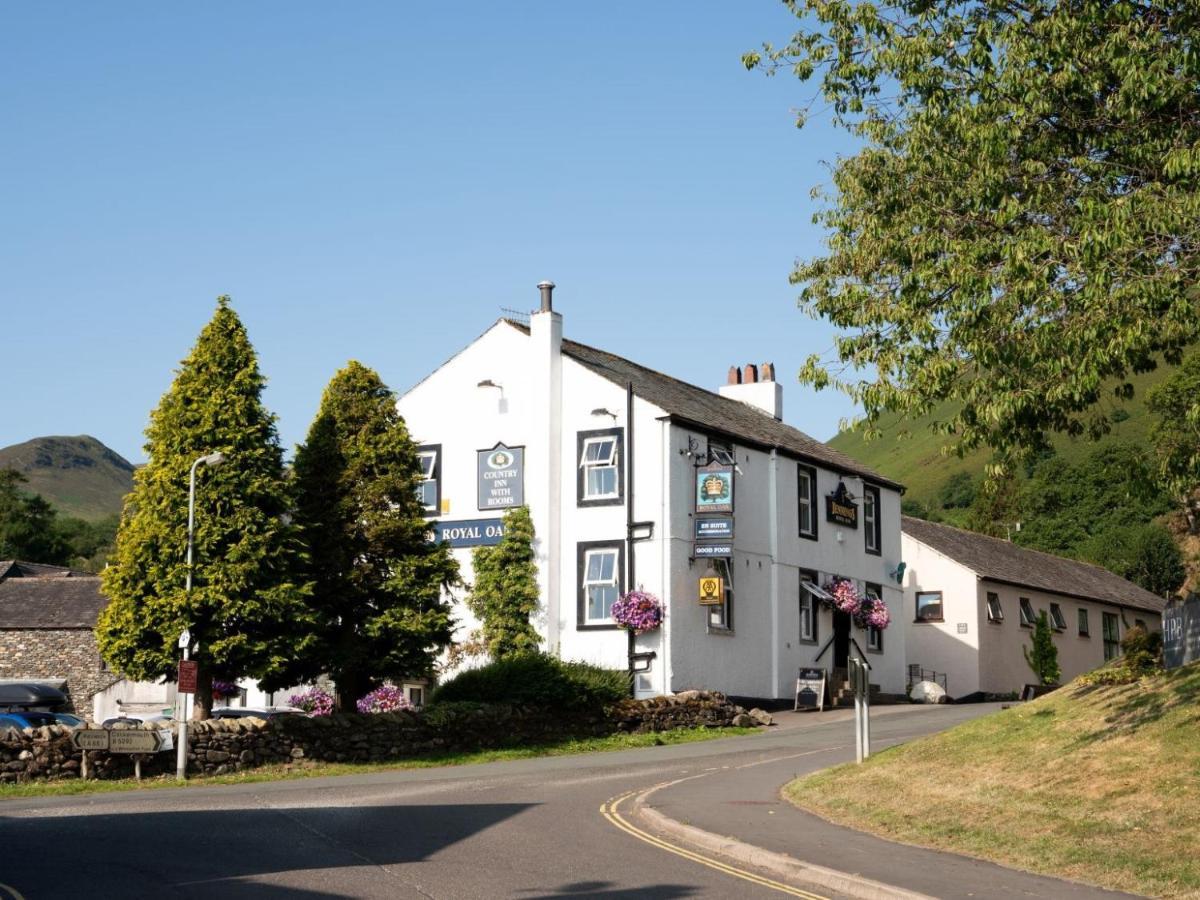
(33, 595)
(710, 411)
(998, 560)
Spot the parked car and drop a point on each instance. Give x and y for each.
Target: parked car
(162, 721)
(12, 723)
(258, 712)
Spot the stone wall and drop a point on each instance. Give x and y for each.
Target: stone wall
(228, 745)
(42, 654)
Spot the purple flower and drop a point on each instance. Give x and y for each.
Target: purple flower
(638, 611)
(314, 701)
(384, 699)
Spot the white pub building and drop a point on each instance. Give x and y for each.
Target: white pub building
(636, 479)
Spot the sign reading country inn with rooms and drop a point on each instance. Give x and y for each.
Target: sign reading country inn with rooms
(501, 477)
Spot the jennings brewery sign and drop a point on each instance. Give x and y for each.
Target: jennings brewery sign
(501, 477)
(840, 508)
(1181, 632)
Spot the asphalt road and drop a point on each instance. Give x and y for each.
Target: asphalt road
(525, 829)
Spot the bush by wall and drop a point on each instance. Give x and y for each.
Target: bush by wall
(536, 679)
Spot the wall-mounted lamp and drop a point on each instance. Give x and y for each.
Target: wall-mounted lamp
(898, 572)
(487, 382)
(601, 411)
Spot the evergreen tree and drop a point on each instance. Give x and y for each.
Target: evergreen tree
(378, 610)
(1043, 656)
(505, 594)
(28, 524)
(245, 585)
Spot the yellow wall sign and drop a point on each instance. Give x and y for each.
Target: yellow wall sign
(712, 591)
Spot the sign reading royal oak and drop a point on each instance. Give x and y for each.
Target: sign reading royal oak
(714, 489)
(501, 477)
(469, 532)
(840, 508)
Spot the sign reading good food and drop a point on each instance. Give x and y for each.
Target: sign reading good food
(840, 508)
(501, 477)
(714, 489)
(469, 532)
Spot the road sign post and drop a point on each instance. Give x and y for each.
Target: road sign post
(187, 669)
(860, 681)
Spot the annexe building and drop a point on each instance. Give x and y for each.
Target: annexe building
(972, 601)
(636, 479)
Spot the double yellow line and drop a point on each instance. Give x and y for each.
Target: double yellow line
(610, 809)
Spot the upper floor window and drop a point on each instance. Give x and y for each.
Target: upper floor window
(1057, 620)
(429, 489)
(721, 617)
(929, 606)
(1084, 630)
(806, 480)
(871, 530)
(874, 635)
(600, 467)
(600, 578)
(995, 610)
(1028, 616)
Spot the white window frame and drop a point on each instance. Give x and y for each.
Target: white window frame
(612, 462)
(995, 615)
(615, 581)
(720, 618)
(432, 478)
(874, 635)
(810, 597)
(872, 532)
(807, 475)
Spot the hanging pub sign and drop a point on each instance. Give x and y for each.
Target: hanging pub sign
(712, 590)
(469, 532)
(714, 528)
(840, 508)
(714, 488)
(501, 479)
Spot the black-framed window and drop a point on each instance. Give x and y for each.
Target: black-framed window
(601, 455)
(720, 618)
(806, 493)
(810, 596)
(874, 635)
(994, 609)
(1028, 616)
(416, 696)
(1057, 620)
(429, 489)
(929, 606)
(1111, 627)
(600, 571)
(1084, 630)
(872, 533)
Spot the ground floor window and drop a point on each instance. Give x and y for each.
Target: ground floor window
(416, 696)
(1112, 636)
(929, 606)
(600, 571)
(720, 617)
(995, 610)
(810, 596)
(1083, 623)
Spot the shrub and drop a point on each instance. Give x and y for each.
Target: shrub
(383, 699)
(1142, 650)
(313, 701)
(535, 679)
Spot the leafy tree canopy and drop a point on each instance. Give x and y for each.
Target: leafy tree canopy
(1019, 230)
(1176, 434)
(505, 594)
(28, 524)
(378, 607)
(245, 582)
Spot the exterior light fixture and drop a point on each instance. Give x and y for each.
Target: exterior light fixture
(487, 382)
(601, 411)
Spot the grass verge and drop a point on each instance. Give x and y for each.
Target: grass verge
(321, 770)
(1098, 784)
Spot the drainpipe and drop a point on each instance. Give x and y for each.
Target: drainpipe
(773, 549)
(631, 563)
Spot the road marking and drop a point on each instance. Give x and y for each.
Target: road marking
(610, 809)
(16, 895)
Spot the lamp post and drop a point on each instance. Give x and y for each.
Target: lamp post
(211, 459)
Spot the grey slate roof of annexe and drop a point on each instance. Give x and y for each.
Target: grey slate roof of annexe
(712, 412)
(33, 595)
(990, 557)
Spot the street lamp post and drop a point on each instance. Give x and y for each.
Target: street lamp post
(211, 459)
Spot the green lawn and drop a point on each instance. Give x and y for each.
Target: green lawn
(1099, 784)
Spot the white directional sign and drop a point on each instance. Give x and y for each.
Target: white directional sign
(90, 738)
(134, 741)
(185, 639)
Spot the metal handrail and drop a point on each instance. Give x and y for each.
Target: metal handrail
(862, 657)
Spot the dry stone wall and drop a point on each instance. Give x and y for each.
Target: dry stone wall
(220, 746)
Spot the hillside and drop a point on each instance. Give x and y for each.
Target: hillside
(914, 459)
(78, 475)
(1092, 783)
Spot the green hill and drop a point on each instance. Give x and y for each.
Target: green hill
(909, 452)
(1090, 782)
(78, 475)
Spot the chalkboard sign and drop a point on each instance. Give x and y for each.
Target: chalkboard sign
(810, 689)
(1181, 632)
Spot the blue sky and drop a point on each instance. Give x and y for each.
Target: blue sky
(378, 180)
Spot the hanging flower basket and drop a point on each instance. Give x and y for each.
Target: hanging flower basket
(638, 611)
(866, 611)
(225, 690)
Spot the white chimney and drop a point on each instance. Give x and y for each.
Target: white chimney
(755, 386)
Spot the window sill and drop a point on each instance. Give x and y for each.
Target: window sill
(585, 502)
(808, 537)
(597, 626)
(812, 641)
(995, 621)
(928, 621)
(1085, 635)
(871, 552)
(721, 630)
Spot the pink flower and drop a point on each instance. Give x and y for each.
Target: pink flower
(638, 611)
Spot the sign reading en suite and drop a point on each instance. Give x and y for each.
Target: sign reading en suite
(501, 477)
(840, 508)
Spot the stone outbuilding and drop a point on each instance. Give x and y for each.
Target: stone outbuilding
(47, 617)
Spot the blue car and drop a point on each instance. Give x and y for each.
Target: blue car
(13, 722)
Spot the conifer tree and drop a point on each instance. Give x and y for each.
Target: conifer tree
(505, 593)
(1043, 656)
(245, 587)
(378, 609)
